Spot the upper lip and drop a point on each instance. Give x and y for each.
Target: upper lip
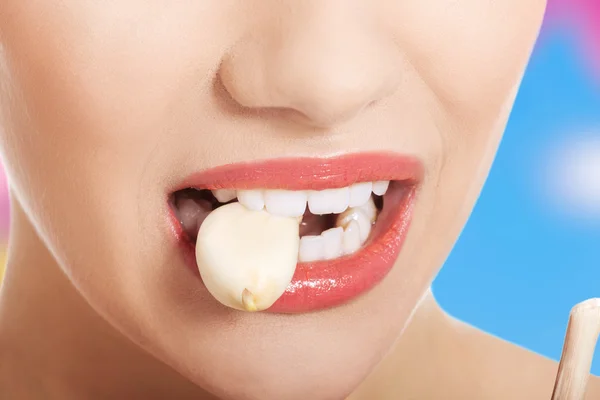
(309, 173)
(321, 284)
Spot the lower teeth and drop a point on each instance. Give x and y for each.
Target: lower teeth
(352, 229)
(248, 258)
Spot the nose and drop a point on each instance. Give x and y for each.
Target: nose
(325, 60)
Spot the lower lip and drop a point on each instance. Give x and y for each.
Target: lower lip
(325, 284)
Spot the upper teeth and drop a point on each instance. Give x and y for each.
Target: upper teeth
(292, 203)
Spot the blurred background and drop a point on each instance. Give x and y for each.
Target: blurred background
(531, 249)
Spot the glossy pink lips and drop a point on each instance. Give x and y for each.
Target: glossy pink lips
(323, 284)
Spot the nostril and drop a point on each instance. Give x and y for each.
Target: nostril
(307, 77)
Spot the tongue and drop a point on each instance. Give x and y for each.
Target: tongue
(315, 224)
(192, 211)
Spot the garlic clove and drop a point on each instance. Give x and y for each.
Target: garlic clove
(247, 258)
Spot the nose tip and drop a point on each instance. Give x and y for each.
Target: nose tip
(331, 95)
(327, 75)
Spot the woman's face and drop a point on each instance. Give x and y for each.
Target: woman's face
(105, 107)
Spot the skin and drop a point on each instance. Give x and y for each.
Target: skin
(104, 105)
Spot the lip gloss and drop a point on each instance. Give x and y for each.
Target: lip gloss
(327, 283)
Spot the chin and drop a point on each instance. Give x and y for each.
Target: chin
(293, 363)
(319, 355)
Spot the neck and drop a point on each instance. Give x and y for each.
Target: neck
(440, 357)
(422, 360)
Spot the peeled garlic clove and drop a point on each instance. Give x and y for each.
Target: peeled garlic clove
(247, 258)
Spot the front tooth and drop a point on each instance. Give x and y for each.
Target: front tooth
(351, 238)
(360, 193)
(247, 258)
(312, 248)
(380, 187)
(332, 239)
(328, 201)
(253, 199)
(285, 203)
(224, 195)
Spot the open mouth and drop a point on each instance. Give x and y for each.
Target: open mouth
(355, 212)
(335, 222)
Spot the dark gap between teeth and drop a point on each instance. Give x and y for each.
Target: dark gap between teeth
(192, 206)
(313, 224)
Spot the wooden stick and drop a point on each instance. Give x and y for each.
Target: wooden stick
(578, 351)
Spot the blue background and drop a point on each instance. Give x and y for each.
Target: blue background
(524, 259)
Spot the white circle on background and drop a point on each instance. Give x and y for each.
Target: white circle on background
(572, 178)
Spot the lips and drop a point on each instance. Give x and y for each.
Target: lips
(326, 283)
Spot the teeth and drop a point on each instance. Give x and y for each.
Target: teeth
(364, 217)
(360, 193)
(326, 246)
(352, 230)
(380, 187)
(332, 239)
(292, 203)
(354, 204)
(312, 248)
(357, 215)
(224, 195)
(370, 210)
(285, 203)
(351, 240)
(328, 201)
(252, 199)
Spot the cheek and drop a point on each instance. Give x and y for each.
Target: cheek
(81, 120)
(85, 167)
(470, 56)
(79, 183)
(86, 141)
(470, 52)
